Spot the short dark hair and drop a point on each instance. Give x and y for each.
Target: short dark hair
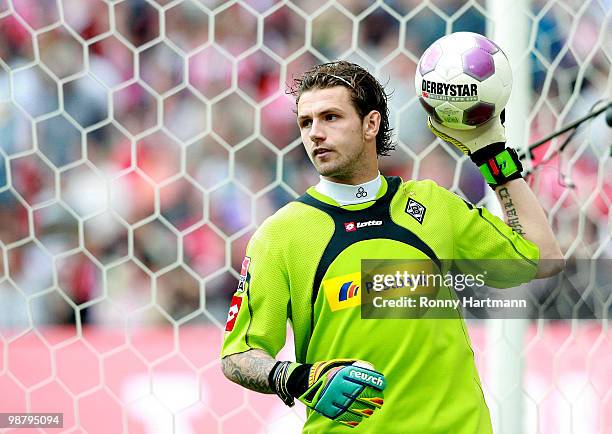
(367, 93)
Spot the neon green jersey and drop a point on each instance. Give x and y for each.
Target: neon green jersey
(299, 259)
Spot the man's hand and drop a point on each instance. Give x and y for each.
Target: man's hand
(486, 146)
(470, 141)
(344, 390)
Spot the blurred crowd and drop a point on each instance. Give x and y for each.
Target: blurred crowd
(134, 167)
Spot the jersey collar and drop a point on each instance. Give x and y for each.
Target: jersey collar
(312, 191)
(345, 194)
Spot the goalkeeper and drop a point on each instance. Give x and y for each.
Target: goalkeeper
(389, 376)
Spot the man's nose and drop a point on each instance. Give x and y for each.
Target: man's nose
(316, 132)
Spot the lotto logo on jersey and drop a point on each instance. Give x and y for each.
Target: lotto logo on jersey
(244, 274)
(233, 313)
(342, 292)
(352, 226)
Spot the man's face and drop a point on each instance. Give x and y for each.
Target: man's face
(333, 133)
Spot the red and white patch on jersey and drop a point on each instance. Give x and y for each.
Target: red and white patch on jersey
(350, 226)
(233, 313)
(245, 266)
(244, 273)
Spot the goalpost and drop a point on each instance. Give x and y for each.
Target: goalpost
(509, 26)
(143, 141)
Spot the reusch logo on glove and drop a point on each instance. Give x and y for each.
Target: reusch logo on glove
(374, 380)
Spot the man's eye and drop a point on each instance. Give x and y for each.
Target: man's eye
(331, 117)
(306, 123)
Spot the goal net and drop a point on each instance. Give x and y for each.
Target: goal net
(143, 141)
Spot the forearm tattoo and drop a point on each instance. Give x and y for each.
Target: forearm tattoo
(510, 211)
(249, 369)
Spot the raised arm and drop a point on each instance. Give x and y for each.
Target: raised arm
(524, 214)
(501, 169)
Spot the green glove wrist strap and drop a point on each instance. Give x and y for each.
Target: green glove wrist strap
(500, 168)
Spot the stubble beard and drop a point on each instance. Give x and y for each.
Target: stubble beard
(342, 167)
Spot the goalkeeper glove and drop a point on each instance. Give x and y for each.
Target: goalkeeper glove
(486, 146)
(345, 390)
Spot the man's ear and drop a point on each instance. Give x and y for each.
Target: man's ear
(371, 124)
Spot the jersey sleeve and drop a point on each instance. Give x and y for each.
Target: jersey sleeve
(484, 242)
(259, 308)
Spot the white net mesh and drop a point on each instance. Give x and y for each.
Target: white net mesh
(142, 142)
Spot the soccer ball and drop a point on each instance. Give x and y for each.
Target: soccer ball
(463, 80)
